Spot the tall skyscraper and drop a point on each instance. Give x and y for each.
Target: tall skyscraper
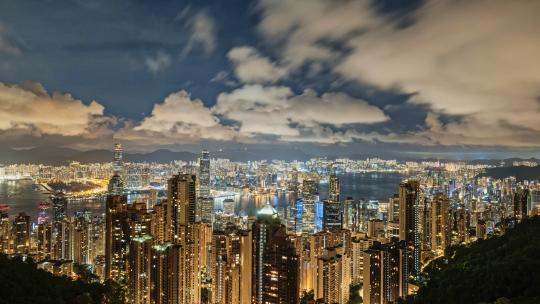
(275, 275)
(116, 184)
(181, 214)
(117, 238)
(334, 188)
(309, 192)
(206, 202)
(521, 202)
(21, 233)
(82, 230)
(383, 273)
(139, 270)
(331, 215)
(409, 198)
(165, 274)
(226, 268)
(117, 161)
(440, 223)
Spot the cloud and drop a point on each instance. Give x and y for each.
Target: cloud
(29, 108)
(473, 59)
(297, 27)
(6, 45)
(202, 28)
(180, 117)
(260, 110)
(251, 67)
(157, 63)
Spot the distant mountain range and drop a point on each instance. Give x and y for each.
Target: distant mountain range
(62, 156)
(520, 172)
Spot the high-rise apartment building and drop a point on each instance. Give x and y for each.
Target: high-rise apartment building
(275, 276)
(409, 200)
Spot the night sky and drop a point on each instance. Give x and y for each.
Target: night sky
(457, 79)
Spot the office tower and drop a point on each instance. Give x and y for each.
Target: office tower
(334, 188)
(21, 233)
(59, 204)
(82, 230)
(440, 223)
(298, 216)
(351, 215)
(309, 192)
(181, 212)
(206, 202)
(331, 216)
(408, 224)
(393, 208)
(333, 277)
(139, 270)
(376, 228)
(520, 201)
(226, 270)
(165, 274)
(117, 237)
(275, 275)
(116, 185)
(117, 159)
(43, 215)
(61, 226)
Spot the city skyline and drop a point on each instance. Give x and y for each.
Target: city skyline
(441, 79)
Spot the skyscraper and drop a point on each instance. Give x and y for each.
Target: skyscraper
(117, 161)
(116, 185)
(331, 215)
(206, 202)
(440, 223)
(139, 270)
(408, 224)
(334, 188)
(309, 191)
(21, 233)
(117, 237)
(521, 204)
(181, 214)
(275, 275)
(226, 268)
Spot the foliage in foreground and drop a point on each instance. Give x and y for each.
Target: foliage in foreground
(21, 282)
(501, 270)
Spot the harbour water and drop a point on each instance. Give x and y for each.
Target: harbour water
(23, 196)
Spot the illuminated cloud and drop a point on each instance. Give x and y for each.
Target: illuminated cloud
(251, 67)
(28, 107)
(472, 59)
(180, 117)
(277, 111)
